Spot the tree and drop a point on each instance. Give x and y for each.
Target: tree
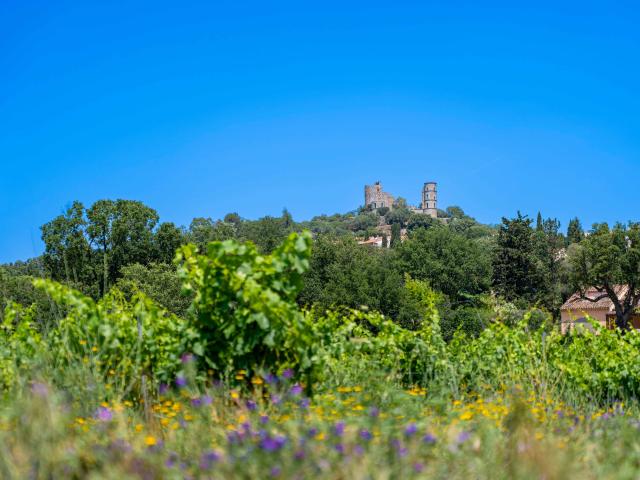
(575, 234)
(67, 251)
(343, 273)
(396, 234)
(158, 281)
(539, 226)
(515, 275)
(167, 240)
(122, 230)
(420, 220)
(609, 261)
(451, 263)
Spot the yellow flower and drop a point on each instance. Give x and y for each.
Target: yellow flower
(319, 436)
(94, 349)
(466, 415)
(257, 381)
(138, 427)
(83, 342)
(164, 422)
(235, 395)
(150, 440)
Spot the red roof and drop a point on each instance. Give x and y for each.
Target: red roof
(576, 302)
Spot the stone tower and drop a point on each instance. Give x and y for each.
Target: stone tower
(430, 199)
(375, 197)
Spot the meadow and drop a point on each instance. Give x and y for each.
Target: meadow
(248, 385)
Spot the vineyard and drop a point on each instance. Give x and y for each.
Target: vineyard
(249, 385)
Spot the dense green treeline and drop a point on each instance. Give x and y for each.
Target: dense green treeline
(123, 244)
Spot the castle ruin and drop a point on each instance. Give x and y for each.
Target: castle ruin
(375, 197)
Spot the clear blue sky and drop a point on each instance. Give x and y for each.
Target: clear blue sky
(201, 108)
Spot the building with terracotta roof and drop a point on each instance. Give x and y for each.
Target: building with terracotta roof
(574, 311)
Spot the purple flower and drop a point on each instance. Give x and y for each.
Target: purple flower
(104, 414)
(264, 419)
(181, 381)
(296, 390)
(208, 459)
(339, 448)
(186, 358)
(410, 430)
(251, 405)
(275, 471)
(338, 429)
(463, 437)
(365, 435)
(39, 389)
(288, 373)
(312, 432)
(270, 378)
(164, 388)
(273, 444)
(275, 399)
(358, 450)
(304, 403)
(418, 467)
(206, 400)
(299, 455)
(196, 402)
(429, 439)
(374, 412)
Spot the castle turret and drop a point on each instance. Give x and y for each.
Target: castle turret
(430, 199)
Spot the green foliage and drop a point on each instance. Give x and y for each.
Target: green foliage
(343, 273)
(158, 281)
(244, 304)
(515, 275)
(451, 263)
(120, 338)
(609, 258)
(19, 342)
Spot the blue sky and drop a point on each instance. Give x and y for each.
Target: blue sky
(201, 108)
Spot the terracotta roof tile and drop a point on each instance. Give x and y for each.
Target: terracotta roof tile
(575, 302)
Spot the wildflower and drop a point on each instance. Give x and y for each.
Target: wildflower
(296, 390)
(270, 378)
(365, 435)
(235, 395)
(338, 429)
(339, 448)
(304, 403)
(287, 374)
(251, 405)
(466, 415)
(299, 455)
(463, 437)
(275, 471)
(187, 358)
(257, 381)
(418, 467)
(150, 440)
(39, 389)
(273, 444)
(358, 450)
(206, 400)
(429, 439)
(138, 427)
(264, 419)
(164, 388)
(410, 430)
(312, 432)
(374, 412)
(181, 381)
(196, 402)
(104, 414)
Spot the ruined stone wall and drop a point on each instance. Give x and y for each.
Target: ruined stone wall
(375, 197)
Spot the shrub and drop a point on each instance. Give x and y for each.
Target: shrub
(244, 304)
